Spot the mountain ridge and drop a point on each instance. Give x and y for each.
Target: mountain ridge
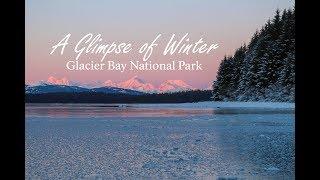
(52, 88)
(134, 83)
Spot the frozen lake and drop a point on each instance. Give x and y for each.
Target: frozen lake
(168, 141)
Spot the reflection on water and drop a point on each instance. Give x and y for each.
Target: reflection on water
(110, 112)
(121, 110)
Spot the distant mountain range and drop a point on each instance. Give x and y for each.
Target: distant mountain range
(133, 86)
(53, 88)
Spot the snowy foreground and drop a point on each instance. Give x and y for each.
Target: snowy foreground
(160, 141)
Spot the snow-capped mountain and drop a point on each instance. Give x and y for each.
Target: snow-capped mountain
(56, 81)
(93, 84)
(173, 86)
(137, 84)
(110, 83)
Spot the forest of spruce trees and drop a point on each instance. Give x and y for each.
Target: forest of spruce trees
(263, 70)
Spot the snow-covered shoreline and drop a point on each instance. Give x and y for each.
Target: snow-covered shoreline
(217, 105)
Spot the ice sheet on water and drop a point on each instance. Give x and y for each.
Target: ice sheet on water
(202, 146)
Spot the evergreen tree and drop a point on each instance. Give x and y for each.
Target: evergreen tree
(265, 68)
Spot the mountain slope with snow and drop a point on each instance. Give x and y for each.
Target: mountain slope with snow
(174, 85)
(110, 83)
(56, 81)
(136, 83)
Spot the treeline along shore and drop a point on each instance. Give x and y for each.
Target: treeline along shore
(97, 97)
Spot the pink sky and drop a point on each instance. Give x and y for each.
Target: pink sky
(228, 23)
